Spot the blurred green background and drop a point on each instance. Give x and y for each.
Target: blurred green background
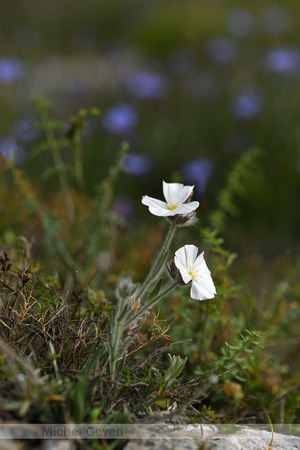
(190, 85)
(194, 87)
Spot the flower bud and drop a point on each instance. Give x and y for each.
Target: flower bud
(125, 288)
(184, 220)
(173, 271)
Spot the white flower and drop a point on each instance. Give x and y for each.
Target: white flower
(194, 269)
(177, 196)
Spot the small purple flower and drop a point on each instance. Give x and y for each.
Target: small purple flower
(246, 105)
(25, 129)
(198, 172)
(123, 207)
(11, 151)
(147, 85)
(11, 70)
(275, 20)
(220, 50)
(283, 60)
(239, 22)
(136, 165)
(120, 119)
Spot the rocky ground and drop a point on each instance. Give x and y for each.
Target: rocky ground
(242, 439)
(187, 437)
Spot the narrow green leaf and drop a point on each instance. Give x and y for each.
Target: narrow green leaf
(154, 293)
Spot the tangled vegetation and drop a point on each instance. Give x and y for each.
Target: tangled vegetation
(79, 343)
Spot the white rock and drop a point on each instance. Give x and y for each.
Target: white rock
(189, 437)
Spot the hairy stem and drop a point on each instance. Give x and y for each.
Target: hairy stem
(58, 162)
(159, 263)
(115, 339)
(151, 303)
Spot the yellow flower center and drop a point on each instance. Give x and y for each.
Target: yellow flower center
(192, 274)
(171, 207)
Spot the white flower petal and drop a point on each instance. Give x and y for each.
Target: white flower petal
(157, 211)
(192, 205)
(201, 292)
(191, 252)
(200, 265)
(196, 292)
(185, 208)
(194, 268)
(184, 193)
(170, 190)
(206, 281)
(182, 269)
(156, 207)
(182, 258)
(176, 195)
(168, 213)
(150, 201)
(186, 276)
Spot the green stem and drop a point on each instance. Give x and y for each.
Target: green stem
(120, 322)
(151, 303)
(58, 162)
(76, 148)
(115, 339)
(159, 263)
(120, 325)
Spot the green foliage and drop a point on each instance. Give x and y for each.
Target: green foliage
(233, 358)
(62, 225)
(80, 342)
(176, 367)
(154, 293)
(237, 177)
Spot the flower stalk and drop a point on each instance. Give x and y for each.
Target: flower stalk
(186, 267)
(151, 303)
(159, 263)
(120, 323)
(116, 335)
(58, 163)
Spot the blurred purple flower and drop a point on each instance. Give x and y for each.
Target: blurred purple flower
(275, 20)
(136, 165)
(120, 119)
(246, 105)
(283, 60)
(147, 85)
(220, 50)
(239, 22)
(123, 207)
(25, 131)
(198, 173)
(11, 70)
(11, 151)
